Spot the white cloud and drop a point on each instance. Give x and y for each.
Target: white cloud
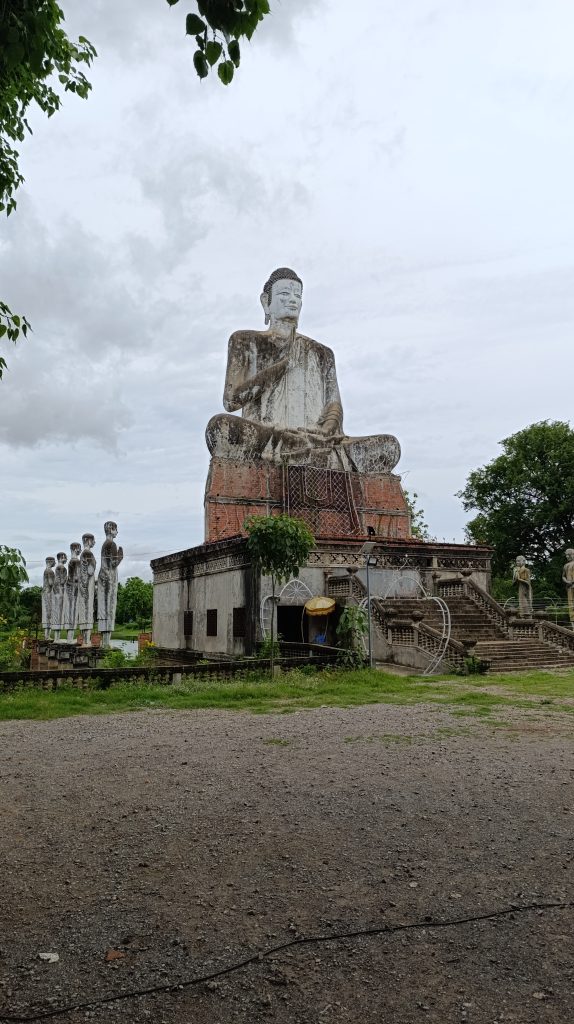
(421, 185)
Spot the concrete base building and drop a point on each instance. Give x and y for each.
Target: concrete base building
(211, 600)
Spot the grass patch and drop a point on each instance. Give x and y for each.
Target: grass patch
(126, 633)
(295, 690)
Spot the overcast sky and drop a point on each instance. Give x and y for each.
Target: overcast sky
(414, 166)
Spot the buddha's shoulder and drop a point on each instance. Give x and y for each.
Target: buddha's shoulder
(317, 346)
(246, 336)
(263, 336)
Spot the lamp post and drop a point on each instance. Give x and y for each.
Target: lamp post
(370, 559)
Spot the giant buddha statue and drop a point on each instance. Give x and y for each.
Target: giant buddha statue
(285, 385)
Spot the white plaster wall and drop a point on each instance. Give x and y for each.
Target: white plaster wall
(168, 605)
(391, 583)
(223, 591)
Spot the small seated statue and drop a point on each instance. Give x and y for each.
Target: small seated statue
(286, 387)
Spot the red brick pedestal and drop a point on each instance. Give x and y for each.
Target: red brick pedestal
(333, 503)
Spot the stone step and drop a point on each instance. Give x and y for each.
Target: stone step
(522, 655)
(471, 622)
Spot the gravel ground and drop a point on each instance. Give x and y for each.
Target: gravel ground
(153, 848)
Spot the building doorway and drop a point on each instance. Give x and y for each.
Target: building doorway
(290, 619)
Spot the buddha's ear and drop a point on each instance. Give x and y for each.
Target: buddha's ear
(264, 299)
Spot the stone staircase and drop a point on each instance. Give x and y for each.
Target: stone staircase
(521, 655)
(484, 632)
(480, 627)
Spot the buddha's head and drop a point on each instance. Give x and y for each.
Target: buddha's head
(570, 554)
(75, 549)
(50, 562)
(520, 560)
(88, 540)
(282, 297)
(62, 557)
(110, 530)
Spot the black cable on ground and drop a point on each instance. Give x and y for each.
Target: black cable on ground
(177, 986)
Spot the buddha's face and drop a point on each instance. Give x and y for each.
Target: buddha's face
(50, 563)
(521, 560)
(285, 303)
(570, 555)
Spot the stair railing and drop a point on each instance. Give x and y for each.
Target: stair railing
(558, 636)
(487, 604)
(404, 633)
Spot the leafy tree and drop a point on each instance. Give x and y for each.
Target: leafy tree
(135, 601)
(525, 501)
(36, 57)
(30, 607)
(279, 546)
(419, 527)
(351, 630)
(13, 652)
(217, 28)
(12, 575)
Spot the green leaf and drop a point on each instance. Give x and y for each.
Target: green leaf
(213, 52)
(194, 25)
(234, 51)
(225, 71)
(200, 64)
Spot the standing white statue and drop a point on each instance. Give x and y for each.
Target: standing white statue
(108, 583)
(521, 575)
(60, 580)
(70, 617)
(568, 579)
(86, 587)
(47, 596)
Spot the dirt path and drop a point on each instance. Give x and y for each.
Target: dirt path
(187, 842)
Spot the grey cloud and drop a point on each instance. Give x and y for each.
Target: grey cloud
(285, 19)
(60, 403)
(134, 28)
(543, 298)
(199, 173)
(69, 285)
(126, 28)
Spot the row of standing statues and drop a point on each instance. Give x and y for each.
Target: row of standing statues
(521, 576)
(70, 586)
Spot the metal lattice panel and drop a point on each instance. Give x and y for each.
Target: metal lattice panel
(323, 498)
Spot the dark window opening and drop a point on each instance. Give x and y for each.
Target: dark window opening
(238, 622)
(211, 622)
(188, 622)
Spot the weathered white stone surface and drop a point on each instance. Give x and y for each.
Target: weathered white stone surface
(47, 596)
(86, 587)
(568, 579)
(521, 576)
(111, 557)
(60, 580)
(285, 385)
(70, 613)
